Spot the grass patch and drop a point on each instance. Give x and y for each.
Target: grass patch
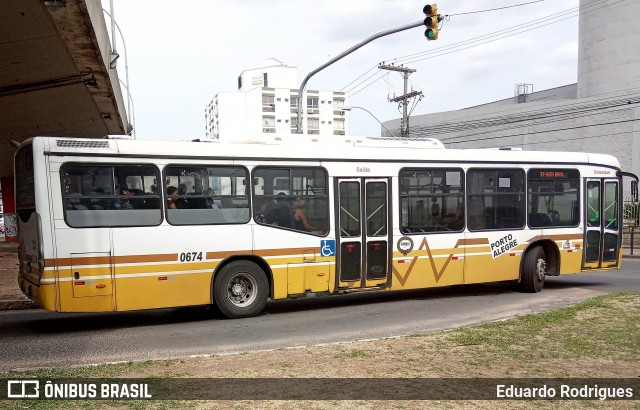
(355, 354)
(587, 329)
(101, 370)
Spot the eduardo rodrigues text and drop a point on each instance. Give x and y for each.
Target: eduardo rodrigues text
(504, 391)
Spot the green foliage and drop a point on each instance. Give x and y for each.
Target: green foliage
(356, 353)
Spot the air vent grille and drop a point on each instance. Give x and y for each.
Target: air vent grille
(79, 143)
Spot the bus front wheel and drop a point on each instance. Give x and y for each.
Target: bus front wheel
(534, 269)
(240, 289)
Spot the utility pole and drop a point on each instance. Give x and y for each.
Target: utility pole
(403, 99)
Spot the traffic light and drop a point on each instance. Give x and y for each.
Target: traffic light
(431, 21)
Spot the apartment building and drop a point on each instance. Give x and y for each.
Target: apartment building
(266, 103)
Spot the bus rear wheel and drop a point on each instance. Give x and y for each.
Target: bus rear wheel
(240, 289)
(534, 269)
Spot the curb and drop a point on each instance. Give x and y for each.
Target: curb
(10, 248)
(17, 305)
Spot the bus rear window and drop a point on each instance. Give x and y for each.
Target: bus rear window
(25, 192)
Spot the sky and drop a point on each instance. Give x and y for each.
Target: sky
(181, 53)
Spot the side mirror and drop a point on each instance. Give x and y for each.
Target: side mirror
(634, 184)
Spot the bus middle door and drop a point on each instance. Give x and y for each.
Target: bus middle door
(363, 259)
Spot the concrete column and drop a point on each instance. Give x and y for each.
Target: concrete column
(609, 35)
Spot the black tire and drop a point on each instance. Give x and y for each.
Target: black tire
(534, 268)
(240, 289)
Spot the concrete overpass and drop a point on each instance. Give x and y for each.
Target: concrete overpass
(55, 77)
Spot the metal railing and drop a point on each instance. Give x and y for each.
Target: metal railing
(630, 224)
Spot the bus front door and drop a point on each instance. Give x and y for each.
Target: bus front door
(363, 227)
(602, 227)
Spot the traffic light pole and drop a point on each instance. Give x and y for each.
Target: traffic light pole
(339, 57)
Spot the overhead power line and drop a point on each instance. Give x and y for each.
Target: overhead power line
(500, 36)
(480, 40)
(498, 8)
(510, 31)
(360, 76)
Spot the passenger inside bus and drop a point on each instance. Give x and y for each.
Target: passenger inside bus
(211, 196)
(126, 193)
(300, 219)
(435, 211)
(173, 197)
(262, 210)
(281, 213)
(420, 213)
(180, 200)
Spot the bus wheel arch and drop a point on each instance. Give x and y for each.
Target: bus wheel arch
(541, 259)
(241, 285)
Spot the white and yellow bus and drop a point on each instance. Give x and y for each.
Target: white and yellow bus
(115, 225)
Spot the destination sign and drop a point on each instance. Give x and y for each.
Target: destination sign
(554, 174)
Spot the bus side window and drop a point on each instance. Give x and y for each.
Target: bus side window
(553, 197)
(433, 200)
(206, 195)
(280, 188)
(110, 195)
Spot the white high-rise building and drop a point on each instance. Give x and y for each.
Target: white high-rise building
(266, 104)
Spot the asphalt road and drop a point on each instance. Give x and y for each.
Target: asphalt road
(36, 338)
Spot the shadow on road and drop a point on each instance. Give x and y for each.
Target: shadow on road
(457, 291)
(53, 323)
(42, 322)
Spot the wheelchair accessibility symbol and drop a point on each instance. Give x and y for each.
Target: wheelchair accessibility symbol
(328, 247)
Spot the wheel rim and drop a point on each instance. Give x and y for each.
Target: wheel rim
(242, 289)
(541, 269)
